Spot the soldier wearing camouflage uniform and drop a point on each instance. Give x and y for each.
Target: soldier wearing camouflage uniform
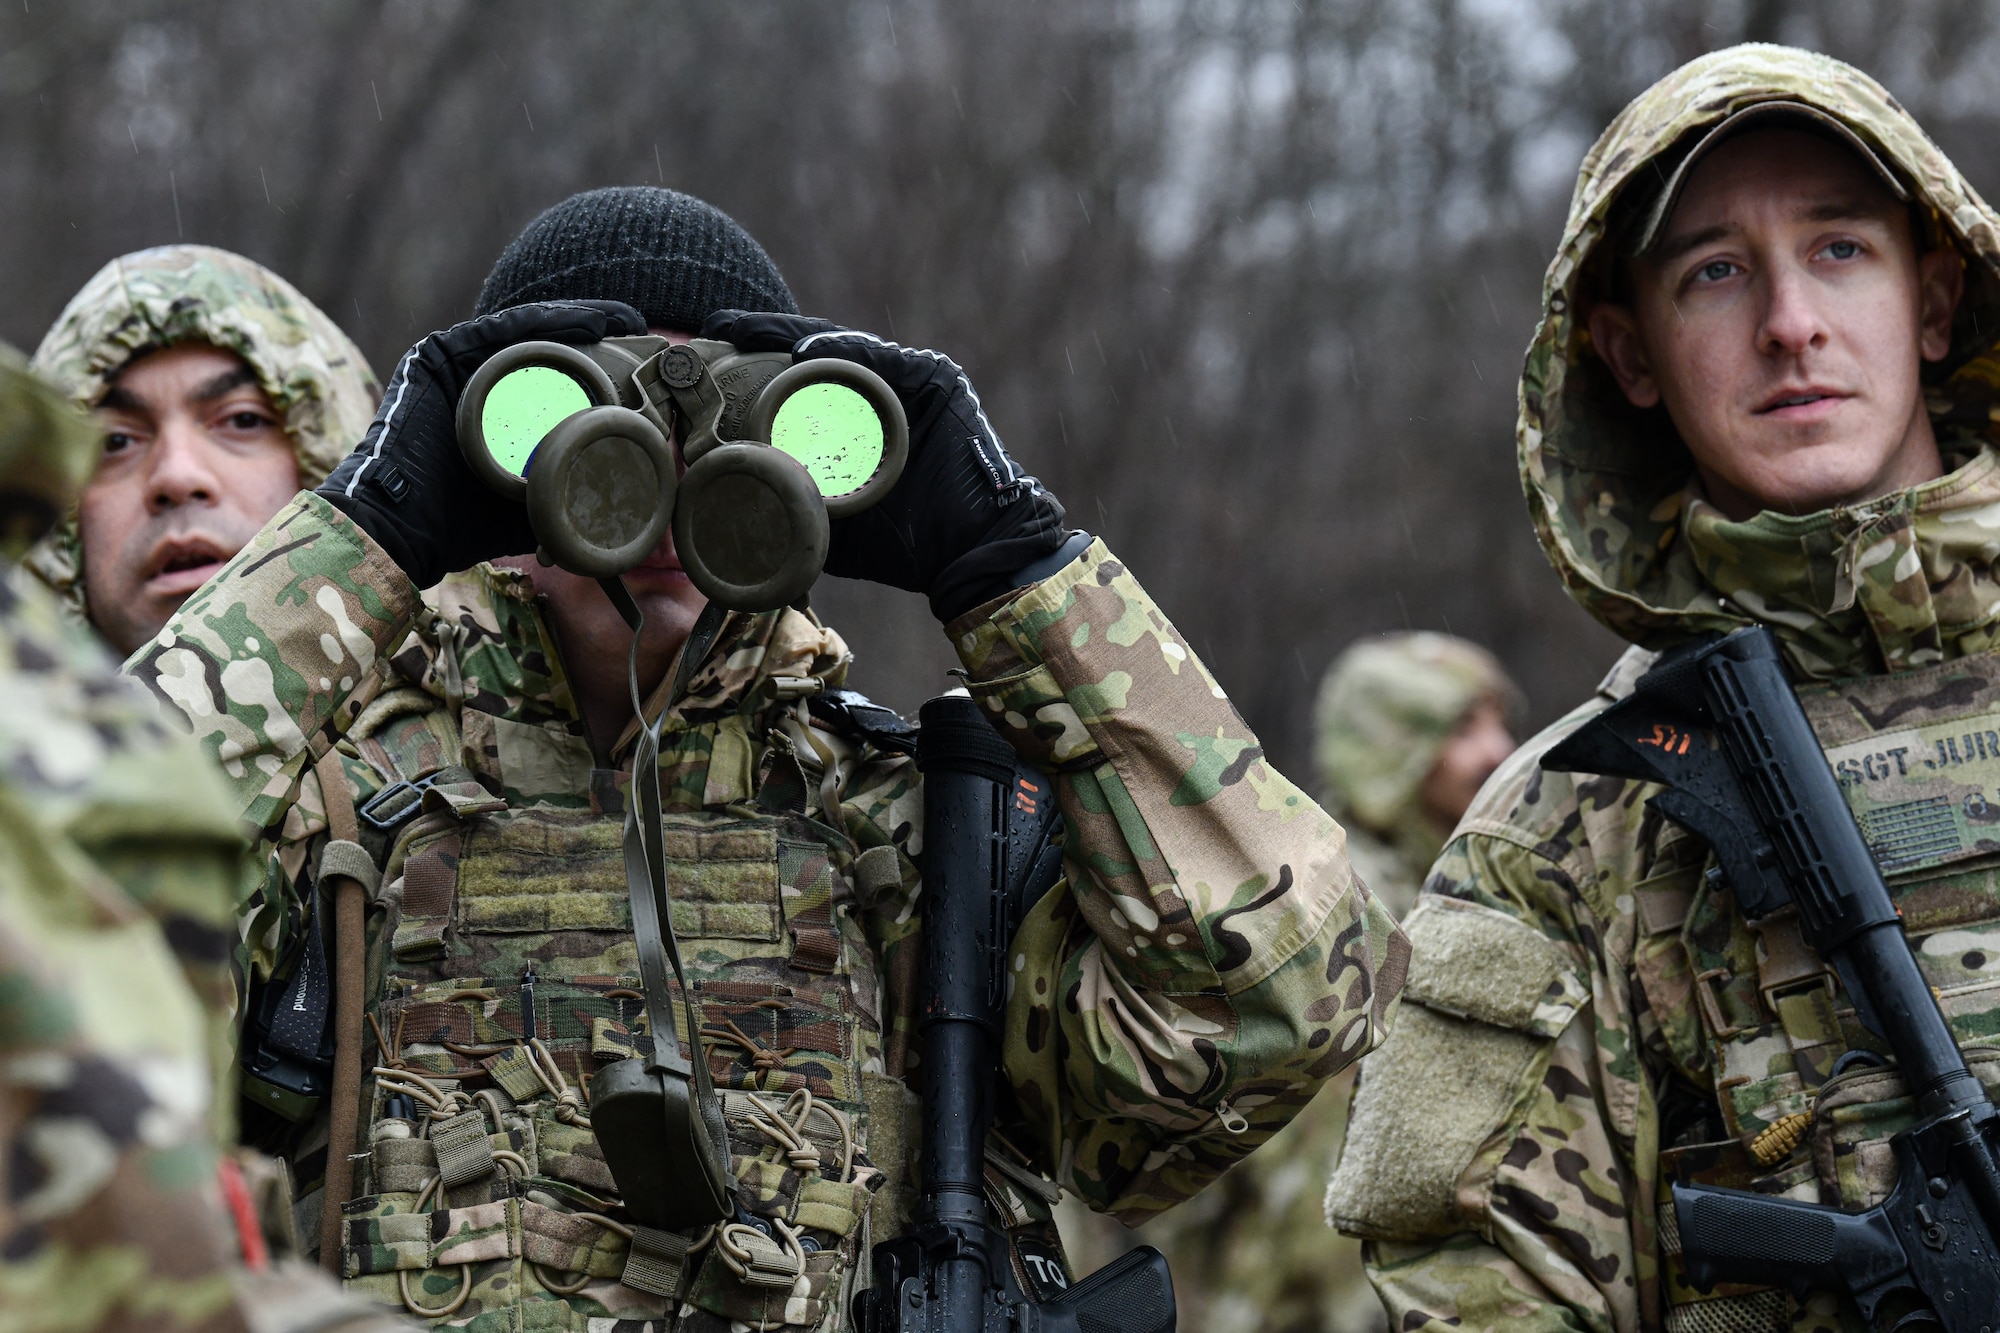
(1405, 729)
(1594, 1017)
(1398, 720)
(1207, 965)
(190, 502)
(119, 860)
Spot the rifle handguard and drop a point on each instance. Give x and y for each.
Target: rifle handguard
(991, 848)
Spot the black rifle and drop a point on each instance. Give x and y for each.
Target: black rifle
(990, 852)
(1718, 725)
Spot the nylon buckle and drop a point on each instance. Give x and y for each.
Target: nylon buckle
(1710, 1006)
(392, 807)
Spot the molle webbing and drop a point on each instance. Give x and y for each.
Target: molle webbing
(514, 1072)
(657, 1262)
(804, 870)
(430, 889)
(464, 1153)
(401, 1166)
(760, 1036)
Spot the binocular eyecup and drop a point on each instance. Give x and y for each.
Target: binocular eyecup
(772, 450)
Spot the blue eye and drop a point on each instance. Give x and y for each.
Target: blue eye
(1715, 271)
(1844, 249)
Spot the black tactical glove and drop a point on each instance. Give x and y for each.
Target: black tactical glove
(406, 484)
(965, 519)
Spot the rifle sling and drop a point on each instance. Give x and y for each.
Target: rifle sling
(342, 862)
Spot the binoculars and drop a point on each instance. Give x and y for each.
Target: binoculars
(773, 449)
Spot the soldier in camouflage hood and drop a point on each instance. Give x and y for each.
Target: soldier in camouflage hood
(1750, 398)
(1206, 965)
(221, 391)
(119, 860)
(1406, 729)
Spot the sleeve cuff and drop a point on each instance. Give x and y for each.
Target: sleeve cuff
(1006, 673)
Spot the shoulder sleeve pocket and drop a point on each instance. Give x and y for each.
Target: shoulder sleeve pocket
(1487, 996)
(1470, 961)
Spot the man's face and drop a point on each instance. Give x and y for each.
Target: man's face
(1782, 318)
(195, 461)
(590, 625)
(1479, 744)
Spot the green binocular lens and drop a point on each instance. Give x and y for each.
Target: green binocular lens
(841, 423)
(513, 402)
(522, 407)
(835, 433)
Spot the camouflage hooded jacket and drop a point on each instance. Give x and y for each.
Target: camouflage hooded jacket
(118, 865)
(1595, 1018)
(1384, 712)
(1254, 1252)
(1209, 962)
(313, 374)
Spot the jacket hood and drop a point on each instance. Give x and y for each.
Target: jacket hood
(1385, 709)
(311, 371)
(44, 455)
(1608, 484)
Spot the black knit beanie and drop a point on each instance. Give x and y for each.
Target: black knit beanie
(674, 258)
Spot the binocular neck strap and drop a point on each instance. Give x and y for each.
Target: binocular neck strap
(646, 862)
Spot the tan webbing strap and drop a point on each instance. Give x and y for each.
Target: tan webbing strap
(657, 1262)
(464, 1152)
(1797, 986)
(350, 897)
(430, 887)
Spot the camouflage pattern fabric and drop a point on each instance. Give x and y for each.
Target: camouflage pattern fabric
(313, 374)
(1207, 965)
(45, 454)
(112, 843)
(1592, 1019)
(1254, 1252)
(1385, 709)
(118, 858)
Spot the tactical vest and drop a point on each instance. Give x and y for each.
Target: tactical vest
(1802, 1091)
(503, 974)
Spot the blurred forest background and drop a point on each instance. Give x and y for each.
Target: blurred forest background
(1247, 282)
